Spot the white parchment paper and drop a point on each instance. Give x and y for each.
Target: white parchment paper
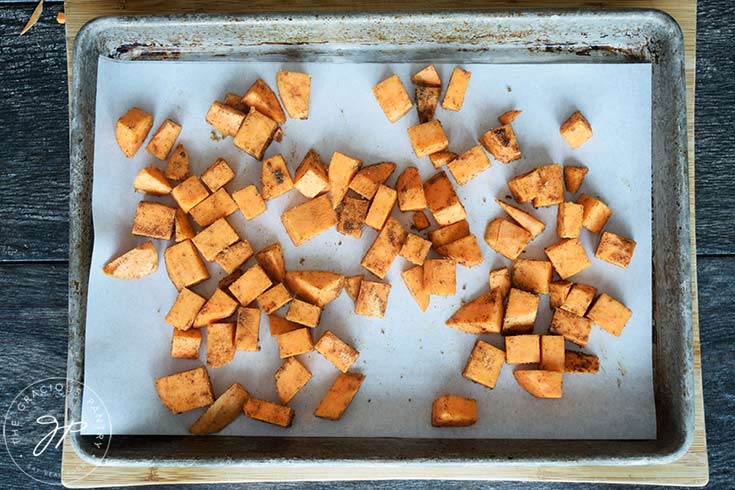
(409, 357)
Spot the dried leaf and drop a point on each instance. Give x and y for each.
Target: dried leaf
(34, 17)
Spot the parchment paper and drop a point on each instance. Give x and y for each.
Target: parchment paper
(409, 358)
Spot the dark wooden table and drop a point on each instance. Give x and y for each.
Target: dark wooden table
(34, 184)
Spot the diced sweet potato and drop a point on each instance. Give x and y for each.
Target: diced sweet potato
(186, 390)
(454, 96)
(539, 383)
(573, 177)
(235, 101)
(272, 261)
(216, 206)
(307, 220)
(415, 249)
(481, 315)
(255, 134)
(453, 411)
(615, 249)
(502, 144)
(569, 220)
(410, 190)
(574, 328)
(465, 251)
(275, 298)
(610, 314)
(163, 139)
(268, 412)
(232, 257)
(443, 202)
(576, 130)
(532, 225)
(366, 181)
(380, 208)
(294, 89)
(154, 220)
(225, 283)
(311, 177)
(218, 307)
(427, 77)
(551, 186)
(185, 343)
(185, 309)
(525, 187)
(182, 226)
(427, 98)
(531, 275)
(596, 213)
(420, 221)
(568, 257)
(520, 312)
(385, 248)
(224, 118)
(177, 167)
(440, 276)
(189, 193)
(341, 171)
(275, 179)
(508, 117)
(317, 287)
(428, 138)
(469, 165)
(552, 353)
(352, 286)
(290, 378)
(339, 396)
(250, 202)
(393, 98)
(484, 364)
(139, 262)
(499, 280)
(184, 266)
(295, 342)
(218, 174)
(580, 363)
(132, 130)
(277, 325)
(352, 216)
(215, 238)
(262, 98)
(303, 313)
(372, 300)
(222, 412)
(441, 158)
(247, 332)
(150, 180)
(414, 280)
(522, 349)
(578, 299)
(558, 291)
(251, 284)
(336, 351)
(507, 239)
(450, 233)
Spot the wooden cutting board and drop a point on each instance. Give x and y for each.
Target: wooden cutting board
(690, 470)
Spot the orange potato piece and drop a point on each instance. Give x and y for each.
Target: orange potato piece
(154, 220)
(352, 286)
(415, 249)
(574, 328)
(150, 180)
(385, 248)
(410, 190)
(522, 349)
(275, 179)
(277, 325)
(531, 275)
(428, 138)
(414, 280)
(185, 391)
(222, 412)
(520, 312)
(294, 89)
(551, 186)
(393, 98)
(272, 261)
(576, 130)
(596, 213)
(218, 174)
(303, 313)
(499, 280)
(502, 144)
(615, 249)
(182, 226)
(427, 77)
(250, 202)
(247, 332)
(558, 291)
(450, 233)
(268, 412)
(225, 118)
(420, 221)
(185, 309)
(507, 239)
(264, 100)
(220, 344)
(366, 181)
(232, 257)
(251, 284)
(484, 364)
(215, 238)
(185, 343)
(255, 133)
(568, 257)
(341, 171)
(539, 383)
(311, 177)
(139, 262)
(454, 96)
(177, 167)
(573, 177)
(469, 165)
(481, 315)
(294, 343)
(339, 396)
(163, 139)
(307, 220)
(336, 351)
(189, 193)
(508, 117)
(380, 208)
(578, 299)
(443, 202)
(290, 378)
(317, 287)
(372, 300)
(184, 266)
(275, 298)
(610, 314)
(440, 276)
(216, 206)
(532, 225)
(218, 307)
(352, 216)
(569, 220)
(453, 411)
(552, 353)
(441, 158)
(235, 101)
(132, 129)
(427, 98)
(465, 251)
(525, 187)
(580, 363)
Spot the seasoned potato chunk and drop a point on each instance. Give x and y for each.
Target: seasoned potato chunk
(139, 262)
(132, 130)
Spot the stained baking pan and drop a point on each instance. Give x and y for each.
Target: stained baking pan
(462, 37)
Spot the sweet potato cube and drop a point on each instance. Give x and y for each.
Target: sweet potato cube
(578, 299)
(552, 353)
(150, 180)
(414, 280)
(185, 343)
(393, 98)
(163, 139)
(568, 257)
(336, 351)
(184, 266)
(251, 284)
(215, 238)
(465, 251)
(218, 307)
(185, 309)
(440, 276)
(469, 165)
(274, 298)
(295, 342)
(255, 134)
(186, 390)
(275, 179)
(341, 171)
(428, 138)
(507, 239)
(307, 220)
(247, 332)
(366, 181)
(522, 349)
(420, 221)
(415, 249)
(303, 313)
(441, 158)
(250, 202)
(154, 220)
(443, 202)
(576, 130)
(499, 280)
(272, 261)
(427, 98)
(531, 275)
(573, 177)
(454, 96)
(532, 225)
(216, 206)
(520, 312)
(410, 190)
(385, 248)
(453, 411)
(218, 174)
(225, 118)
(182, 226)
(225, 283)
(574, 328)
(177, 167)
(232, 257)
(569, 220)
(525, 187)
(352, 286)
(277, 325)
(508, 117)
(372, 300)
(450, 233)
(317, 287)
(290, 378)
(311, 175)
(596, 213)
(352, 216)
(260, 97)
(339, 396)
(189, 193)
(132, 130)
(615, 249)
(268, 412)
(481, 315)
(558, 291)
(139, 262)
(380, 208)
(610, 314)
(294, 89)
(580, 363)
(222, 412)
(502, 144)
(551, 186)
(427, 77)
(484, 364)
(235, 101)
(540, 383)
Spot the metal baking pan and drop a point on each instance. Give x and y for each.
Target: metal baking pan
(537, 36)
